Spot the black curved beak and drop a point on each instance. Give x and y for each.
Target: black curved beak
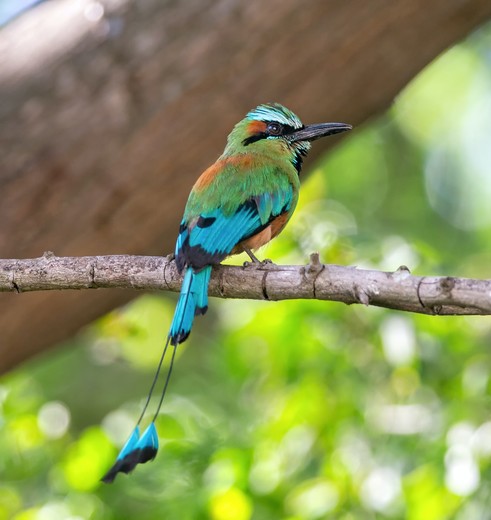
(313, 132)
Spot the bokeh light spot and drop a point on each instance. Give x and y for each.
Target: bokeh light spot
(88, 459)
(54, 419)
(381, 488)
(232, 504)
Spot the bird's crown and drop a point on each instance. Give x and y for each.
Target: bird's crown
(269, 112)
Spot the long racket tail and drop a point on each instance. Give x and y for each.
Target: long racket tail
(193, 301)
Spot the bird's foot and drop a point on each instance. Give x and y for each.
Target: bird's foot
(254, 259)
(258, 263)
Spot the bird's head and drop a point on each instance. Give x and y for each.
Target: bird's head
(272, 129)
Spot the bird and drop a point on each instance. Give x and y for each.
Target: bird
(237, 205)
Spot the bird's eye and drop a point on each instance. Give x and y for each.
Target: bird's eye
(274, 129)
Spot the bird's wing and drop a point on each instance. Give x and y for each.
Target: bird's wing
(210, 237)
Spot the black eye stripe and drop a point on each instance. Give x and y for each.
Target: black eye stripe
(287, 129)
(253, 138)
(284, 130)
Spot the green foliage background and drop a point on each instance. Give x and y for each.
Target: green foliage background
(296, 410)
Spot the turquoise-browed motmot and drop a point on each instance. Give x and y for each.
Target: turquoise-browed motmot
(237, 205)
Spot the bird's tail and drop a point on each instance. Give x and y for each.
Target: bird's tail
(193, 301)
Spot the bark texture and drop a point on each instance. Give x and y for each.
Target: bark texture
(436, 295)
(109, 110)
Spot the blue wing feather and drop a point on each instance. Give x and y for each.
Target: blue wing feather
(226, 232)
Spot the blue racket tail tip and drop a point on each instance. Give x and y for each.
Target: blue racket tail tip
(137, 450)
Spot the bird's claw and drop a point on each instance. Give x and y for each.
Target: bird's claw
(258, 263)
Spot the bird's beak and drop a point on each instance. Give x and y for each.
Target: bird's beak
(313, 132)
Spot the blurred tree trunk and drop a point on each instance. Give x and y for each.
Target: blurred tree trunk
(110, 109)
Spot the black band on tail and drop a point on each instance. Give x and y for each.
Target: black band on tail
(129, 462)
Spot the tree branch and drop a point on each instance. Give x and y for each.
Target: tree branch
(399, 290)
